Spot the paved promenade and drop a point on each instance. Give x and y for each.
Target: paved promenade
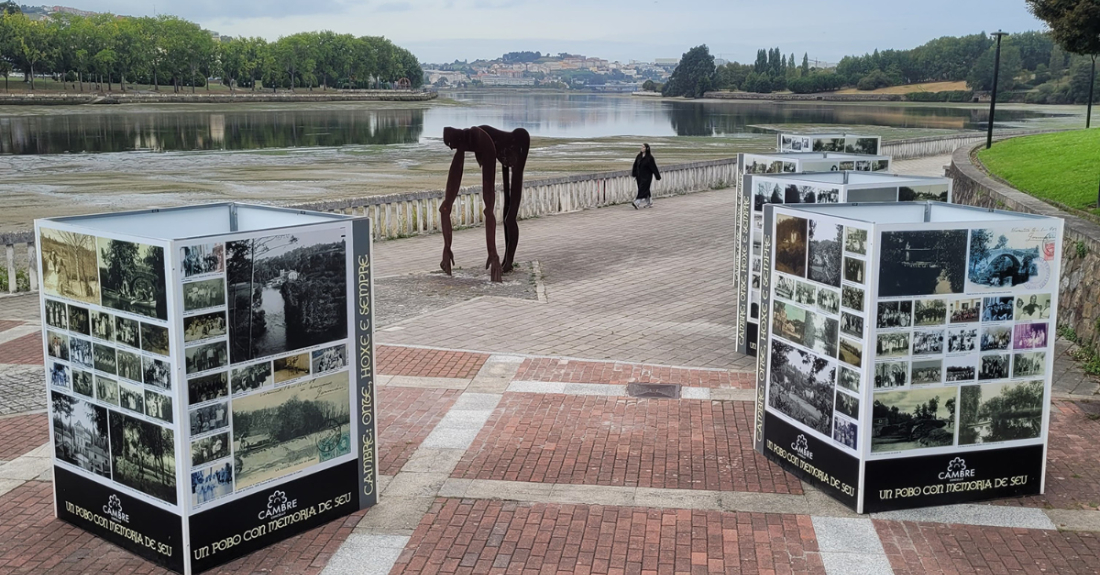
(508, 442)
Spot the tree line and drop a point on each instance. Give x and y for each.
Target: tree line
(170, 51)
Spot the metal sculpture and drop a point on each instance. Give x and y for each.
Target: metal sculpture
(488, 145)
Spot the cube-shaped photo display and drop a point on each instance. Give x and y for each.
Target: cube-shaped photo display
(756, 191)
(917, 370)
(848, 143)
(210, 369)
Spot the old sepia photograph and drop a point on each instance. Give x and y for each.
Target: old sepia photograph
(962, 340)
(995, 412)
(922, 263)
(802, 387)
(80, 352)
(790, 245)
(80, 434)
(996, 338)
(330, 359)
(997, 308)
(57, 345)
(845, 433)
(103, 358)
(131, 397)
(133, 277)
(103, 326)
(207, 388)
(290, 428)
(928, 312)
(927, 372)
(824, 252)
(204, 294)
(993, 366)
(892, 345)
(895, 314)
(79, 320)
(59, 375)
(891, 374)
(789, 322)
(129, 365)
(291, 367)
(805, 293)
(286, 292)
(1009, 257)
(83, 383)
(851, 352)
(960, 368)
(69, 265)
(913, 419)
(158, 406)
(828, 301)
(143, 456)
(928, 342)
(210, 483)
(205, 326)
(209, 418)
(965, 310)
(209, 448)
(106, 390)
(851, 298)
(855, 241)
(1029, 364)
(853, 270)
(157, 373)
(206, 356)
(202, 259)
(252, 377)
(1033, 307)
(1026, 336)
(851, 325)
(56, 315)
(154, 338)
(848, 379)
(128, 332)
(847, 405)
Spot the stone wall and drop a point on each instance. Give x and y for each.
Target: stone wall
(1079, 292)
(202, 97)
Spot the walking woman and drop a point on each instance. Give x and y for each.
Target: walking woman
(645, 169)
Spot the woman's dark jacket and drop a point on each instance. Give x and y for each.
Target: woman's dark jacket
(644, 171)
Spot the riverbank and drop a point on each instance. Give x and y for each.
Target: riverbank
(71, 99)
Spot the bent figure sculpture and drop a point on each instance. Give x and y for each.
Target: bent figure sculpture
(488, 145)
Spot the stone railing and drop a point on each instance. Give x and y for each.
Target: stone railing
(1079, 293)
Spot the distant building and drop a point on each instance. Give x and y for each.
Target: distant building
(68, 10)
(667, 62)
(494, 80)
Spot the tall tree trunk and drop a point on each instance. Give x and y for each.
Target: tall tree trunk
(156, 85)
(80, 80)
(192, 79)
(122, 83)
(32, 77)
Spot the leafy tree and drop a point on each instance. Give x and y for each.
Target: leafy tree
(694, 76)
(1075, 25)
(10, 7)
(981, 75)
(806, 64)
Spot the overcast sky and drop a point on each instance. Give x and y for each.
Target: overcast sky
(445, 30)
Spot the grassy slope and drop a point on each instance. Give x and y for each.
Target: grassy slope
(1064, 167)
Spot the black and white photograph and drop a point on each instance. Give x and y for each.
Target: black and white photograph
(286, 293)
(766, 193)
(790, 245)
(69, 265)
(847, 405)
(922, 263)
(996, 338)
(210, 418)
(1029, 364)
(828, 301)
(103, 358)
(927, 372)
(805, 293)
(158, 406)
(789, 322)
(129, 365)
(79, 321)
(802, 387)
(962, 340)
(143, 456)
(784, 287)
(847, 166)
(821, 334)
(891, 374)
(106, 390)
(59, 375)
(851, 298)
(892, 344)
(913, 419)
(205, 326)
(851, 352)
(993, 366)
(209, 448)
(80, 434)
(965, 310)
(872, 194)
(127, 332)
(755, 265)
(994, 412)
(1010, 258)
(202, 259)
(928, 312)
(824, 252)
(291, 367)
(204, 294)
(997, 308)
(330, 359)
(848, 379)
(755, 283)
(131, 397)
(928, 342)
(211, 483)
(290, 428)
(934, 193)
(103, 326)
(252, 377)
(960, 368)
(207, 388)
(845, 433)
(1025, 336)
(133, 279)
(56, 315)
(157, 373)
(57, 345)
(154, 339)
(853, 270)
(1033, 307)
(851, 325)
(83, 383)
(80, 352)
(205, 357)
(895, 314)
(855, 241)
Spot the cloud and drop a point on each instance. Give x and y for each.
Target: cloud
(395, 7)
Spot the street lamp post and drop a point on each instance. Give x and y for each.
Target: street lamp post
(996, 77)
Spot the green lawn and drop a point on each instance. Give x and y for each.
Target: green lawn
(1063, 167)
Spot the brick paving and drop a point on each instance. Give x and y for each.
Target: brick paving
(22, 388)
(463, 536)
(19, 435)
(938, 549)
(593, 440)
(617, 373)
(6, 324)
(406, 417)
(26, 350)
(417, 362)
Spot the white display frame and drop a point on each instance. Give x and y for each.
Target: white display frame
(808, 142)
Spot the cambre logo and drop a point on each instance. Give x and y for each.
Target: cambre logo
(956, 470)
(802, 447)
(114, 509)
(277, 506)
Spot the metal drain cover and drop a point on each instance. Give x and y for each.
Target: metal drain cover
(654, 390)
